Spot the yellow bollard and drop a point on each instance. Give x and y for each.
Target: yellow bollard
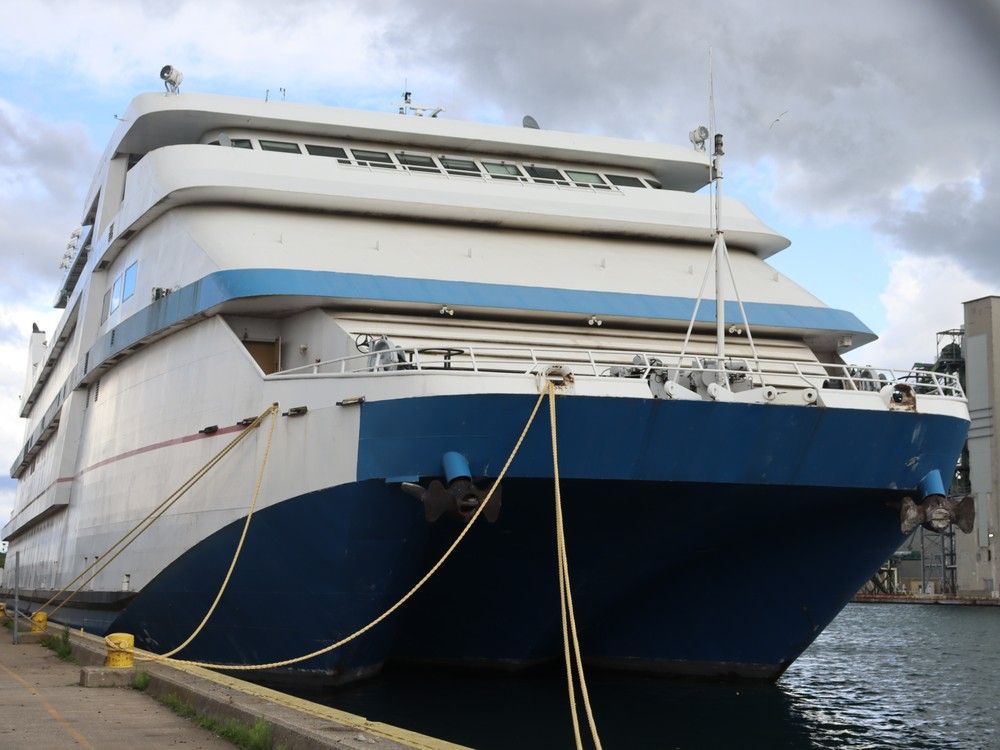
(39, 621)
(120, 647)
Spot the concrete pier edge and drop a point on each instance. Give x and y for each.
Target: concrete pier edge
(296, 723)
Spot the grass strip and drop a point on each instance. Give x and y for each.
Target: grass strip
(249, 737)
(60, 645)
(140, 680)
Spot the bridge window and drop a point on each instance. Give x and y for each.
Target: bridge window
(128, 281)
(462, 167)
(116, 294)
(417, 162)
(591, 179)
(241, 143)
(379, 159)
(334, 152)
(624, 180)
(106, 306)
(283, 147)
(502, 170)
(548, 175)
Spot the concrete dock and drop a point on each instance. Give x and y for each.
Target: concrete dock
(953, 601)
(42, 705)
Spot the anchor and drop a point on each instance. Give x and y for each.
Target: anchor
(460, 496)
(936, 512)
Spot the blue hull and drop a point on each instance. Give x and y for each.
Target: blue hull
(705, 538)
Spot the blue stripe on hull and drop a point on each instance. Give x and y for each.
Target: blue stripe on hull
(635, 439)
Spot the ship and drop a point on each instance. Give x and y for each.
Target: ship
(402, 287)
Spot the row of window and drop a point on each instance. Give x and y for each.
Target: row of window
(462, 167)
(121, 290)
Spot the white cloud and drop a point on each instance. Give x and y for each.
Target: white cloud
(116, 46)
(924, 295)
(44, 169)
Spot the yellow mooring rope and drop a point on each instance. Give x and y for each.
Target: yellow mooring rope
(399, 603)
(570, 637)
(102, 561)
(571, 642)
(239, 545)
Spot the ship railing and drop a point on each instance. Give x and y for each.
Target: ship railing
(735, 373)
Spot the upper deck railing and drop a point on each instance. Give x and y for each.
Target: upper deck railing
(737, 373)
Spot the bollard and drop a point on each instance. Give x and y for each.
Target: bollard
(39, 621)
(120, 647)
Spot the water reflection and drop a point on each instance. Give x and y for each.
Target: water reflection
(881, 676)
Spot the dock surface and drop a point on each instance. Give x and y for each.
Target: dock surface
(43, 706)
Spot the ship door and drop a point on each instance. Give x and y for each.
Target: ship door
(267, 354)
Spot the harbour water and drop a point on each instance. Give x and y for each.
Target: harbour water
(893, 676)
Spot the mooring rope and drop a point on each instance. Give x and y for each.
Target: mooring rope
(239, 545)
(571, 640)
(102, 561)
(399, 603)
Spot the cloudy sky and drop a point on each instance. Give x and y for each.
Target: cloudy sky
(867, 132)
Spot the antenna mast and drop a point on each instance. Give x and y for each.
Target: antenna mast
(720, 239)
(720, 252)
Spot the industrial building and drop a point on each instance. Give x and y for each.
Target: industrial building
(976, 553)
(953, 563)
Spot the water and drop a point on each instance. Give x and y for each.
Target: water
(881, 676)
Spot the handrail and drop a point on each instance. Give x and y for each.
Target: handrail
(590, 363)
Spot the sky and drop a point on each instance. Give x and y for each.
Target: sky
(866, 132)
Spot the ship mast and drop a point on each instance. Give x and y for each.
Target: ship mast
(719, 251)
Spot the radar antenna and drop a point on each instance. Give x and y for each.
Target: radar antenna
(407, 107)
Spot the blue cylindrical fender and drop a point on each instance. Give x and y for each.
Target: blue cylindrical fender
(931, 484)
(456, 466)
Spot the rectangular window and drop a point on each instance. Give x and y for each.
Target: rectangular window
(332, 151)
(128, 282)
(500, 171)
(624, 180)
(373, 158)
(116, 294)
(463, 167)
(417, 162)
(586, 178)
(106, 306)
(548, 175)
(283, 147)
(241, 143)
